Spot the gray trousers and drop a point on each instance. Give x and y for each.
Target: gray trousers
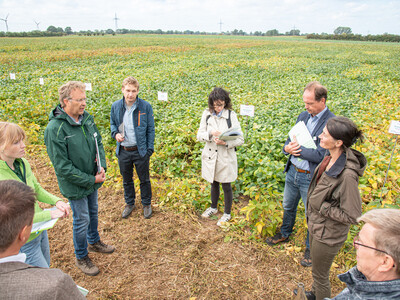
(322, 256)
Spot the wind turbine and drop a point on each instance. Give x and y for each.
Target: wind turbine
(37, 24)
(5, 21)
(116, 24)
(220, 25)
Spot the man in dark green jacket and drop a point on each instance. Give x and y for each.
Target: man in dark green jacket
(75, 148)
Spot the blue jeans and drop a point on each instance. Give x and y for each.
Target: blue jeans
(126, 161)
(296, 187)
(38, 251)
(85, 222)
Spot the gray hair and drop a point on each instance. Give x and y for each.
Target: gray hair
(65, 90)
(387, 237)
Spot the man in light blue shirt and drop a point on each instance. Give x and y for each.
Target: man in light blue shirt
(302, 163)
(132, 126)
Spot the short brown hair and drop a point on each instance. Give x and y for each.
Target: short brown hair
(10, 133)
(320, 92)
(130, 80)
(387, 237)
(17, 207)
(65, 90)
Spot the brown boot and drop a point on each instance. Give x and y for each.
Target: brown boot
(100, 247)
(86, 266)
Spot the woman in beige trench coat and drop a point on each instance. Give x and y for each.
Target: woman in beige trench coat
(218, 159)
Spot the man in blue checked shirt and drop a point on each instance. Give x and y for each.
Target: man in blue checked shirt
(302, 163)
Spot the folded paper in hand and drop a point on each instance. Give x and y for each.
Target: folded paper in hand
(40, 226)
(303, 136)
(230, 134)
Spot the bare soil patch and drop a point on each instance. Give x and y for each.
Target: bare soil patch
(171, 256)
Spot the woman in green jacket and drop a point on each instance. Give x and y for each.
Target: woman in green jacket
(14, 166)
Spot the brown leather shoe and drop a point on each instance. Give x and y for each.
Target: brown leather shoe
(147, 211)
(276, 239)
(86, 266)
(100, 247)
(127, 211)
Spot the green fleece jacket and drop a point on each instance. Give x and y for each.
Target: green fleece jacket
(72, 150)
(42, 195)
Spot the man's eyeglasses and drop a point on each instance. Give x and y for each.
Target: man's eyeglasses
(357, 244)
(78, 100)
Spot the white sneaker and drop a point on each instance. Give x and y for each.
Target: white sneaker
(224, 218)
(209, 212)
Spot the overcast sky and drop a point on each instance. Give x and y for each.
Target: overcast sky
(309, 16)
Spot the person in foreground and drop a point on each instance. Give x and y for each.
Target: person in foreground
(132, 126)
(218, 159)
(14, 166)
(377, 274)
(334, 201)
(302, 163)
(73, 143)
(18, 280)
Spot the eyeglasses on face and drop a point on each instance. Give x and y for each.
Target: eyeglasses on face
(78, 100)
(219, 104)
(356, 244)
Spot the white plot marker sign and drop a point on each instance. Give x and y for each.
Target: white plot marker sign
(163, 96)
(88, 86)
(394, 127)
(247, 110)
(41, 81)
(12, 76)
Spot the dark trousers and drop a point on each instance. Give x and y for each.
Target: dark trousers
(228, 195)
(322, 256)
(126, 161)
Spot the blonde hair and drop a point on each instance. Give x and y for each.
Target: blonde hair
(10, 133)
(130, 80)
(65, 90)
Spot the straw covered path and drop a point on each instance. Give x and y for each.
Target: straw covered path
(172, 256)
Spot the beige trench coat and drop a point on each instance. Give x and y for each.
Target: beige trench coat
(218, 162)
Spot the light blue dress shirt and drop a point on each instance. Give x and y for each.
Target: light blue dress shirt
(129, 129)
(311, 124)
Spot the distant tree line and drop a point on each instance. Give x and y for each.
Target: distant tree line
(58, 31)
(345, 33)
(340, 33)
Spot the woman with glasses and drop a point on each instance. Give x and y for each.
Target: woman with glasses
(14, 166)
(218, 159)
(334, 201)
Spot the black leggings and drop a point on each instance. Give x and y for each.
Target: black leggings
(228, 195)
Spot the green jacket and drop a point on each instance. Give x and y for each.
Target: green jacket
(72, 150)
(42, 195)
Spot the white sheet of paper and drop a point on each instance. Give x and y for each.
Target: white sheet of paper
(394, 127)
(88, 86)
(41, 81)
(40, 226)
(163, 96)
(303, 136)
(82, 290)
(12, 76)
(247, 110)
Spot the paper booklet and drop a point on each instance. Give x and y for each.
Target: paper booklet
(230, 134)
(303, 136)
(121, 129)
(40, 226)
